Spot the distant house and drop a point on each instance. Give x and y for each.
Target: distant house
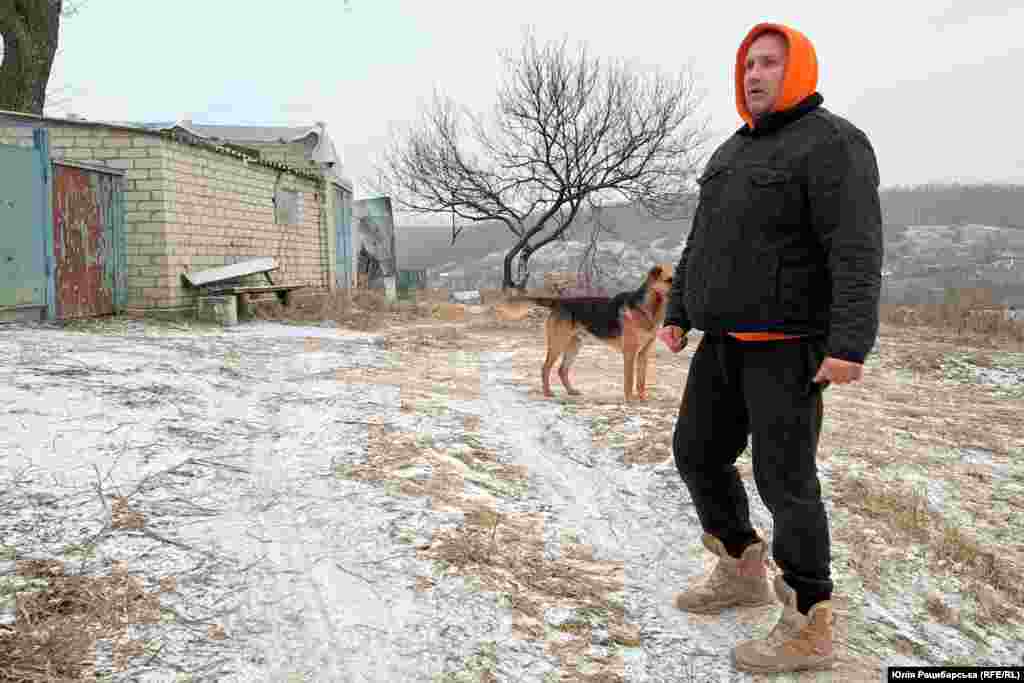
(1015, 307)
(415, 264)
(154, 200)
(410, 279)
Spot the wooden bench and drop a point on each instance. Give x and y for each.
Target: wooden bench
(236, 270)
(244, 293)
(223, 281)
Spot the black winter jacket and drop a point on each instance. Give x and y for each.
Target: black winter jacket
(787, 235)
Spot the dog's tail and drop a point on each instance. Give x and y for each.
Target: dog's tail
(518, 307)
(545, 301)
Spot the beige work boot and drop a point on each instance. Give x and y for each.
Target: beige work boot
(796, 643)
(734, 582)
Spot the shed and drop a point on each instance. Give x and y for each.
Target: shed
(171, 201)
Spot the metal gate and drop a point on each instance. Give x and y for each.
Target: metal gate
(88, 240)
(23, 227)
(343, 227)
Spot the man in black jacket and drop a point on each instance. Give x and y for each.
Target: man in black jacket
(782, 273)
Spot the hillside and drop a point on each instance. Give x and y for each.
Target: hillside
(920, 262)
(921, 259)
(934, 205)
(954, 204)
(430, 246)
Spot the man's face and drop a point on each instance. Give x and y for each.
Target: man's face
(765, 67)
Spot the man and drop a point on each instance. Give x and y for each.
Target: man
(782, 272)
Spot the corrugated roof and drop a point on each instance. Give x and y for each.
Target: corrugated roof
(237, 133)
(323, 152)
(196, 142)
(255, 133)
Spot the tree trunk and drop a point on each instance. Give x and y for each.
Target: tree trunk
(30, 31)
(524, 251)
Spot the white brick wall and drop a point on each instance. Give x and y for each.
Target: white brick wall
(220, 210)
(22, 137)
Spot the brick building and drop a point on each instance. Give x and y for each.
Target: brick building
(197, 197)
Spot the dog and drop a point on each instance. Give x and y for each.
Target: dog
(627, 322)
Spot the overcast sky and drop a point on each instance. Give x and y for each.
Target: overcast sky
(936, 85)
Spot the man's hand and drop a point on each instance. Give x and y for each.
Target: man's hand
(839, 371)
(674, 337)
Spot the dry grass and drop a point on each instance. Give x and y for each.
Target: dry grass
(960, 319)
(55, 636)
(905, 516)
(368, 310)
(503, 552)
(362, 310)
(390, 454)
(905, 511)
(942, 612)
(60, 618)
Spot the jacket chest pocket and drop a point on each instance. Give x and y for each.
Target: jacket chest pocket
(711, 185)
(773, 198)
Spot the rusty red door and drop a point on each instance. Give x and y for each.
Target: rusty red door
(86, 241)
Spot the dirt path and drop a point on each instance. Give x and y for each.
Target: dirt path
(402, 507)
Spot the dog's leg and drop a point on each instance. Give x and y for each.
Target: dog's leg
(641, 370)
(549, 360)
(630, 346)
(568, 356)
(629, 368)
(557, 340)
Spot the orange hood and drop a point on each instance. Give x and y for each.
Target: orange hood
(800, 80)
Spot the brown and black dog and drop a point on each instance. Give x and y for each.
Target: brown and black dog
(627, 322)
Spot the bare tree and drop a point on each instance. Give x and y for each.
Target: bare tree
(567, 130)
(30, 30)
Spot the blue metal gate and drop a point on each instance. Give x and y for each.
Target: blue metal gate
(26, 282)
(343, 237)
